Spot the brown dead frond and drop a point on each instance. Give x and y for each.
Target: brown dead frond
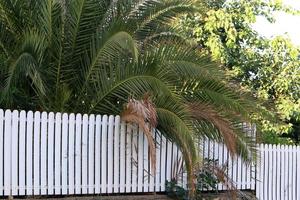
(205, 112)
(143, 113)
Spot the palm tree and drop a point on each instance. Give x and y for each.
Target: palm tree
(92, 56)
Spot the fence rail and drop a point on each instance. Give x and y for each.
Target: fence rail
(61, 154)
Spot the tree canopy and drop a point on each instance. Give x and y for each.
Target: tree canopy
(268, 68)
(94, 56)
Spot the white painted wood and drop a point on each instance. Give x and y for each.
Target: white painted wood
(91, 154)
(221, 161)
(14, 152)
(266, 175)
(146, 165)
(294, 172)
(64, 154)
(263, 177)
(128, 157)
(168, 161)
(134, 161)
(22, 150)
(116, 155)
(258, 177)
(36, 153)
(152, 173)
(180, 175)
(298, 174)
(234, 170)
(163, 163)
(253, 176)
(277, 177)
(110, 154)
(290, 172)
(83, 157)
(282, 171)
(71, 155)
(7, 153)
(104, 155)
(286, 174)
(44, 133)
(78, 154)
(84, 148)
(225, 161)
(122, 156)
(50, 154)
(98, 155)
(1, 154)
(158, 167)
(140, 160)
(57, 154)
(271, 172)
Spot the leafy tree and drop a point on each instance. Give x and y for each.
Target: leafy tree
(91, 56)
(269, 68)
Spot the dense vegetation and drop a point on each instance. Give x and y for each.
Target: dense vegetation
(94, 56)
(268, 68)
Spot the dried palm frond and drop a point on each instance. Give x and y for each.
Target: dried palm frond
(205, 112)
(142, 112)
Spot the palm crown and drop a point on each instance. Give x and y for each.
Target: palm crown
(92, 56)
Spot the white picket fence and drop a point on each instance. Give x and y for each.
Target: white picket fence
(65, 154)
(278, 174)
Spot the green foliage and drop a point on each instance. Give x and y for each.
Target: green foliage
(273, 138)
(205, 178)
(90, 56)
(268, 68)
(175, 191)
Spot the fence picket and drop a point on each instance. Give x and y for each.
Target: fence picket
(78, 155)
(71, 155)
(277, 175)
(14, 152)
(22, 150)
(36, 153)
(1, 154)
(258, 172)
(91, 154)
(134, 157)
(294, 170)
(7, 153)
(116, 155)
(84, 159)
(158, 167)
(298, 174)
(104, 155)
(50, 152)
(140, 160)
(98, 155)
(290, 170)
(64, 156)
(67, 154)
(168, 160)
(57, 154)
(44, 153)
(122, 156)
(128, 158)
(110, 151)
(163, 163)
(146, 165)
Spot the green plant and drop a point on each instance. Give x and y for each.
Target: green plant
(175, 191)
(269, 68)
(93, 56)
(206, 179)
